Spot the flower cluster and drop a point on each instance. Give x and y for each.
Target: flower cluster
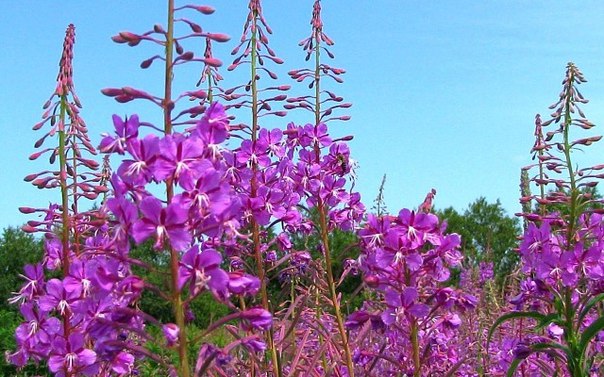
(561, 251)
(407, 259)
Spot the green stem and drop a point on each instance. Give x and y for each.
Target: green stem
(417, 366)
(332, 288)
(323, 222)
(66, 223)
(64, 189)
(176, 297)
(253, 192)
(574, 360)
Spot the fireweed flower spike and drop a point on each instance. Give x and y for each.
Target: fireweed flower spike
(252, 156)
(322, 103)
(561, 248)
(58, 322)
(170, 159)
(206, 213)
(405, 258)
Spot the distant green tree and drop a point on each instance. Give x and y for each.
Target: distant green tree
(17, 249)
(344, 246)
(487, 234)
(204, 307)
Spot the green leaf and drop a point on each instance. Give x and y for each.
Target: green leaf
(546, 320)
(589, 333)
(506, 317)
(513, 367)
(590, 304)
(549, 348)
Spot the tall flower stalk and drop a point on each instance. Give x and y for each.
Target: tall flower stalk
(254, 41)
(314, 45)
(199, 210)
(67, 231)
(562, 246)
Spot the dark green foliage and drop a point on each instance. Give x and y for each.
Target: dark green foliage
(205, 307)
(343, 246)
(17, 249)
(487, 234)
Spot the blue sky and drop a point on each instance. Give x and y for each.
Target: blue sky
(444, 93)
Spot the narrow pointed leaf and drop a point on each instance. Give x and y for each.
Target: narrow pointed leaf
(589, 333)
(507, 317)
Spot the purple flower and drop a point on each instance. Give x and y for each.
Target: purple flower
(209, 193)
(138, 170)
(272, 139)
(253, 154)
(214, 125)
(416, 227)
(315, 134)
(122, 363)
(124, 130)
(71, 358)
(78, 280)
(164, 223)
(57, 297)
(34, 286)
(255, 345)
(180, 159)
(401, 305)
(53, 251)
(171, 333)
(243, 284)
(357, 319)
(126, 214)
(202, 270)
(39, 327)
(257, 318)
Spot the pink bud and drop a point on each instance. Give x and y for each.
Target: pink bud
(90, 195)
(35, 156)
(123, 98)
(212, 62)
(198, 94)
(40, 141)
(111, 92)
(28, 229)
(146, 63)
(128, 35)
(205, 9)
(218, 37)
(158, 29)
(118, 39)
(187, 55)
(39, 125)
(31, 177)
(27, 210)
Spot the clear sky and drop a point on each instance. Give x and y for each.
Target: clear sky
(444, 93)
